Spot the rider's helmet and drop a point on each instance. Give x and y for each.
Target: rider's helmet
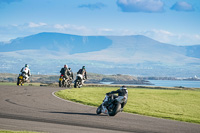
(65, 66)
(26, 65)
(123, 87)
(83, 67)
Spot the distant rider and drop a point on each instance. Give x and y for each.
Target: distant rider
(71, 74)
(26, 71)
(122, 92)
(65, 72)
(83, 72)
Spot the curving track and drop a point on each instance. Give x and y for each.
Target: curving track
(36, 109)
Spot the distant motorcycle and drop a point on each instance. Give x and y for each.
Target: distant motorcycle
(113, 105)
(21, 79)
(64, 82)
(79, 81)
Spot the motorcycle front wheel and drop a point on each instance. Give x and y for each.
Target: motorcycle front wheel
(18, 81)
(79, 84)
(98, 111)
(75, 84)
(115, 110)
(63, 83)
(68, 84)
(60, 84)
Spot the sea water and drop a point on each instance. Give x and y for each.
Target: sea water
(168, 83)
(176, 83)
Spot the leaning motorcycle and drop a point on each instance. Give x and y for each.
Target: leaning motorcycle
(79, 81)
(111, 106)
(64, 82)
(21, 79)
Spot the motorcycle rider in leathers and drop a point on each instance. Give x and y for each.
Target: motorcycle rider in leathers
(65, 71)
(83, 72)
(25, 70)
(122, 92)
(71, 74)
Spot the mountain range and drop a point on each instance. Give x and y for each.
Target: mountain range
(134, 55)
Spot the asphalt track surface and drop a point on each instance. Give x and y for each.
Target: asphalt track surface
(36, 109)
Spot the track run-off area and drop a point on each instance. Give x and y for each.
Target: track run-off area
(35, 108)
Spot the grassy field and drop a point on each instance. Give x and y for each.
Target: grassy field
(6, 131)
(182, 105)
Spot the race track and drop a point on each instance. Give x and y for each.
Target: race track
(36, 109)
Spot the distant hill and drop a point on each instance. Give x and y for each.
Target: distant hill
(135, 55)
(57, 42)
(142, 50)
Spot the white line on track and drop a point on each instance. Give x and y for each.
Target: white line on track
(53, 93)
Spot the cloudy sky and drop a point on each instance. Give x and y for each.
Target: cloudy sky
(170, 21)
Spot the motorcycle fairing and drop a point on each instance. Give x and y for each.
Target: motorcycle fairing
(121, 99)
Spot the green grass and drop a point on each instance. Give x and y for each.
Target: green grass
(182, 105)
(15, 84)
(6, 131)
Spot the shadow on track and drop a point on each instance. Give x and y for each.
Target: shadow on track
(75, 113)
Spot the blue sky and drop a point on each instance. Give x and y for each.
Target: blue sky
(170, 21)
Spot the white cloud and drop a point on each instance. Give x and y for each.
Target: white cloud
(58, 26)
(159, 35)
(66, 28)
(197, 37)
(13, 31)
(33, 25)
(141, 5)
(172, 38)
(106, 29)
(182, 6)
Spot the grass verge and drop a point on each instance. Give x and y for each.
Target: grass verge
(15, 84)
(181, 105)
(7, 131)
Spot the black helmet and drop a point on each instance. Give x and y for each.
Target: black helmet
(123, 87)
(65, 66)
(83, 67)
